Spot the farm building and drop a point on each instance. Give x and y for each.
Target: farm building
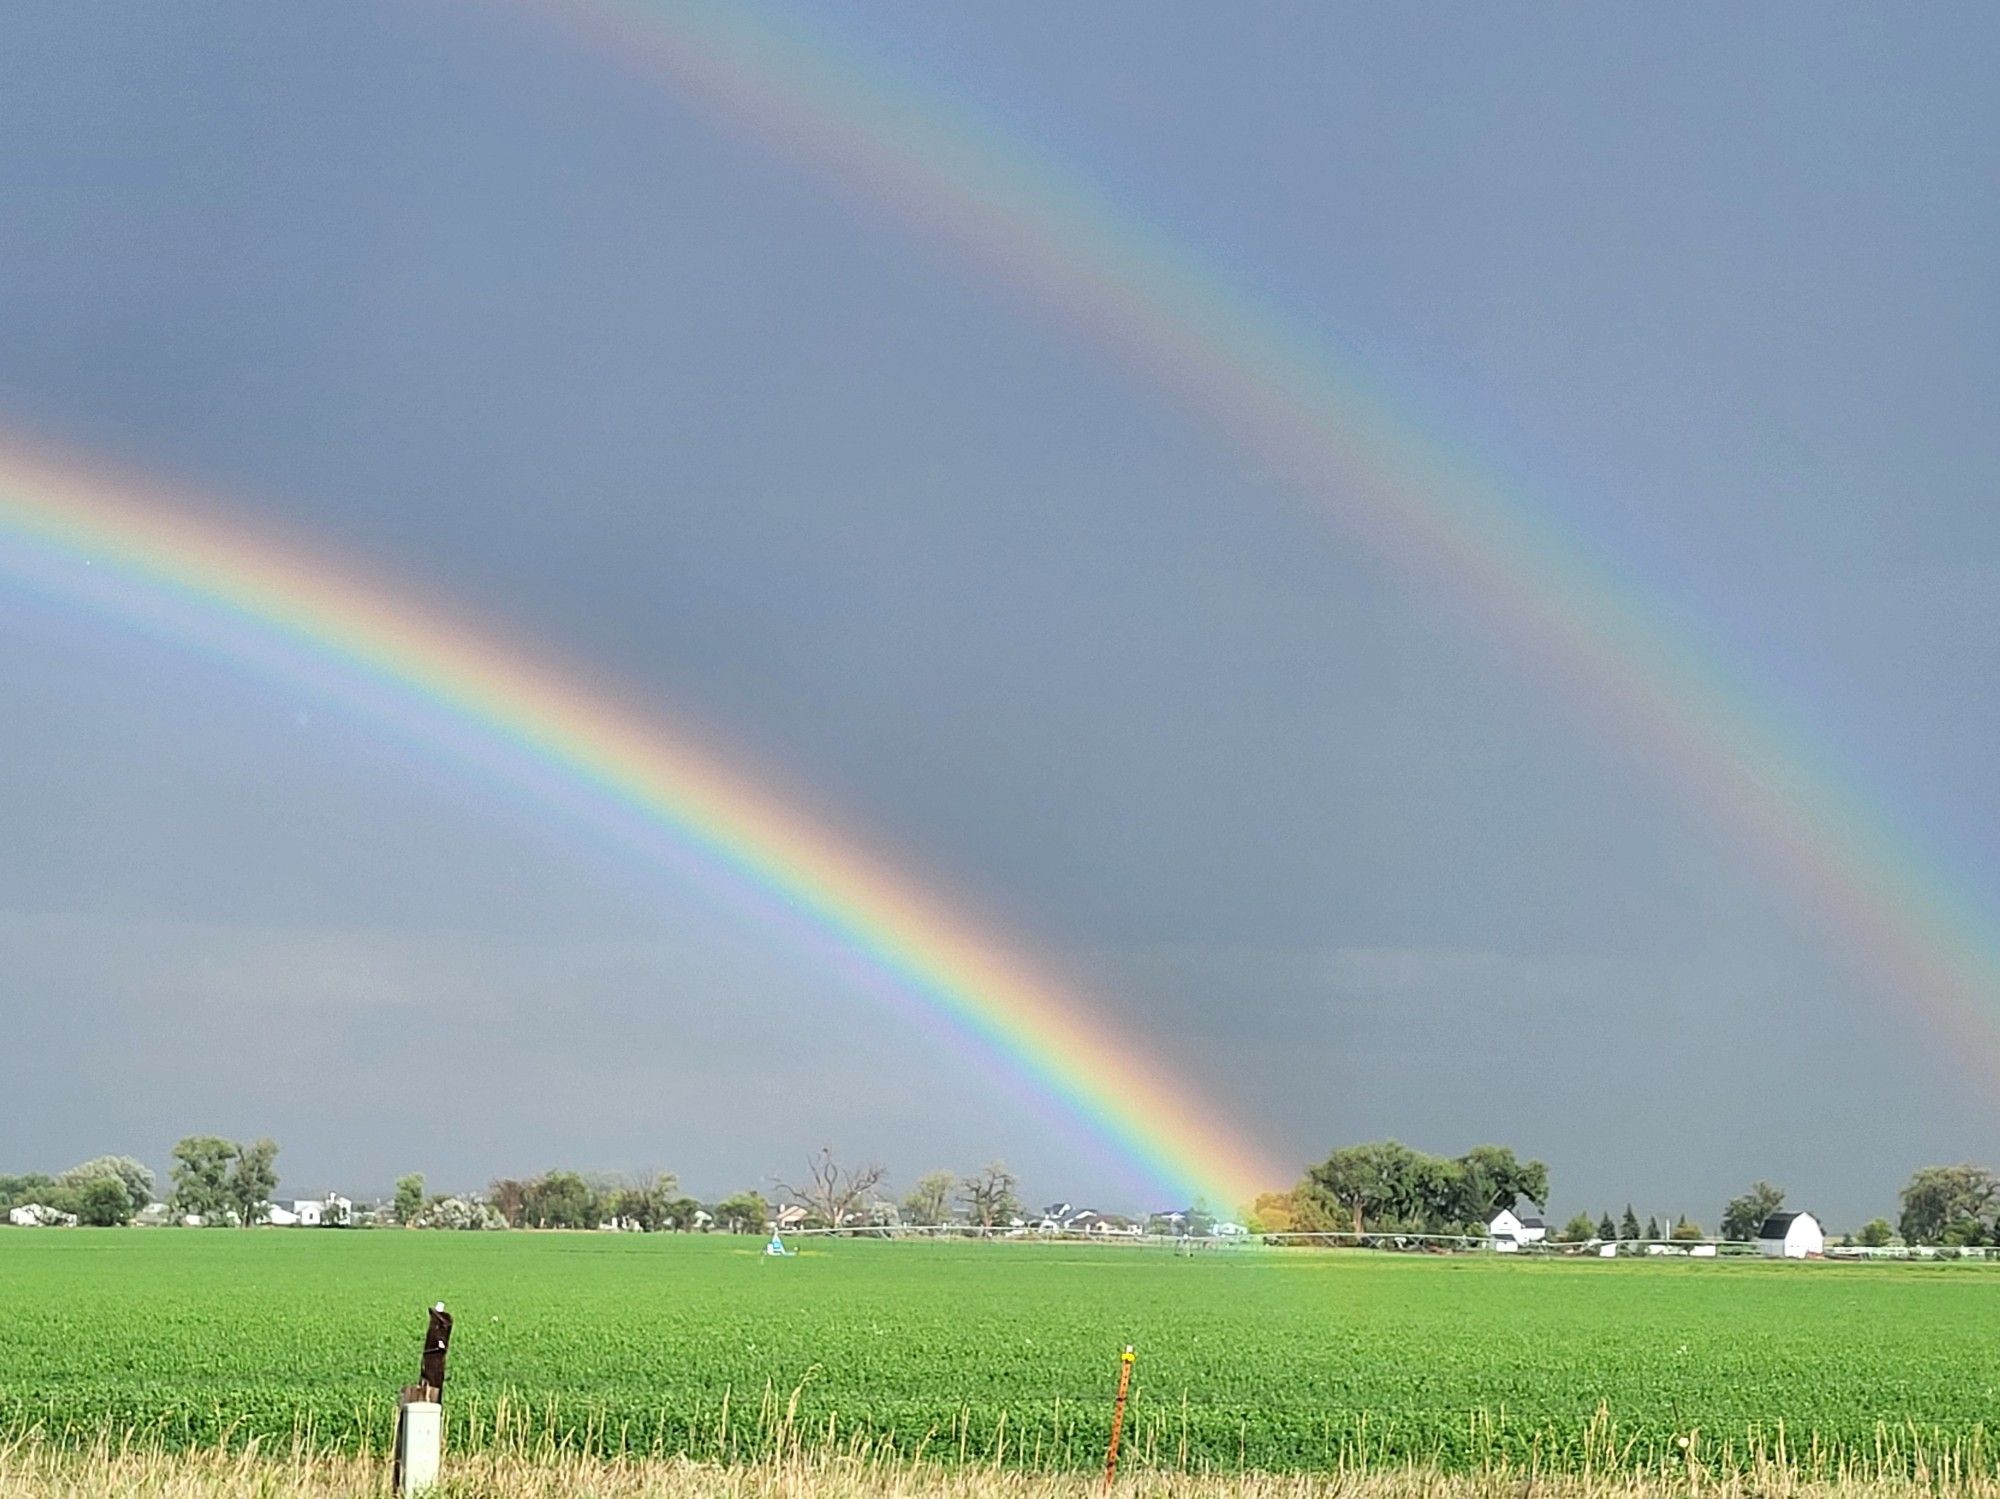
(1791, 1236)
(1509, 1230)
(36, 1215)
(330, 1211)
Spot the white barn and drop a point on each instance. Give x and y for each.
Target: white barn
(1791, 1236)
(1509, 1230)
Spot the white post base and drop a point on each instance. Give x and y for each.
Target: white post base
(420, 1445)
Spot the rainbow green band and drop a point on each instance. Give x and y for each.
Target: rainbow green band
(257, 589)
(1313, 417)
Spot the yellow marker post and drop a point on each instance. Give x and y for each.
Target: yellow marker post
(1118, 1414)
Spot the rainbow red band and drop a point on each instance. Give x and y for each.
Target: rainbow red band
(260, 591)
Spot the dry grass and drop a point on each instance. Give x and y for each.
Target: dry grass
(32, 1469)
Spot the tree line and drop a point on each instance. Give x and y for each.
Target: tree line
(1382, 1187)
(1387, 1187)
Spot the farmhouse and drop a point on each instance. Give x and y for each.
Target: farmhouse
(1509, 1230)
(1791, 1236)
(330, 1211)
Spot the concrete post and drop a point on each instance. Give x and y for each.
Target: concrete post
(419, 1446)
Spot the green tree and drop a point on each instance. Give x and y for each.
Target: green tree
(1272, 1213)
(1628, 1227)
(1492, 1178)
(744, 1213)
(1685, 1231)
(102, 1202)
(1606, 1229)
(201, 1178)
(561, 1199)
(253, 1177)
(1948, 1205)
(128, 1173)
(1875, 1233)
(650, 1203)
(929, 1201)
(1367, 1182)
(1578, 1230)
(1653, 1229)
(409, 1200)
(19, 1191)
(1746, 1214)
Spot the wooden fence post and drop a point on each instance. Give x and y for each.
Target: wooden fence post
(419, 1449)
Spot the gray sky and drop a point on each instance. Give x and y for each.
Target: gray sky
(469, 301)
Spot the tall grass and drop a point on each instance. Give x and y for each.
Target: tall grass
(31, 1468)
(518, 1453)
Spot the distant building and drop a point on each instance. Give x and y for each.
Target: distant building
(38, 1215)
(1791, 1236)
(279, 1216)
(1509, 1230)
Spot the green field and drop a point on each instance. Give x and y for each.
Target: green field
(1265, 1359)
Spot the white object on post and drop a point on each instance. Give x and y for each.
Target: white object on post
(419, 1445)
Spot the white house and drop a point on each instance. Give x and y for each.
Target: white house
(35, 1215)
(1791, 1236)
(330, 1211)
(1510, 1230)
(279, 1216)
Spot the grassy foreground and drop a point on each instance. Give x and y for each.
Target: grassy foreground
(30, 1469)
(1001, 1355)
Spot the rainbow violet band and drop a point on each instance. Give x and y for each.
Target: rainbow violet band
(256, 590)
(1321, 424)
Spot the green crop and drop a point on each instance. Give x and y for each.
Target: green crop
(1264, 1359)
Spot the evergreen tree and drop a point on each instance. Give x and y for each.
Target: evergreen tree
(1653, 1228)
(1606, 1229)
(1629, 1229)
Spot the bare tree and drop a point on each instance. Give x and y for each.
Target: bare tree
(833, 1195)
(988, 1194)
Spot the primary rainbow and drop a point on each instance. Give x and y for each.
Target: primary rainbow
(260, 591)
(1148, 300)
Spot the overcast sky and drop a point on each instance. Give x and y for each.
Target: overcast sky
(462, 297)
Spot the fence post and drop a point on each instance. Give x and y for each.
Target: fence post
(1118, 1414)
(419, 1449)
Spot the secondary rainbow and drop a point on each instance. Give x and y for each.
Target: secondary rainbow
(1096, 267)
(260, 590)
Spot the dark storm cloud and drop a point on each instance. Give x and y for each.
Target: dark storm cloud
(489, 313)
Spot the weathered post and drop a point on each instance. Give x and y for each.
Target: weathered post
(1118, 1415)
(420, 1414)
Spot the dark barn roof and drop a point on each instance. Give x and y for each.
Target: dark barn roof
(1776, 1226)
